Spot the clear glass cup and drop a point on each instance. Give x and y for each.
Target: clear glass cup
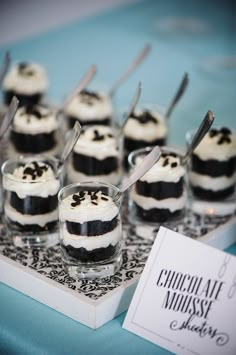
(212, 173)
(35, 130)
(146, 127)
(160, 196)
(30, 187)
(97, 156)
(92, 106)
(90, 229)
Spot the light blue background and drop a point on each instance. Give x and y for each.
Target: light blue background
(111, 40)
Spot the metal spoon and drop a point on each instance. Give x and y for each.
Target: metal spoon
(132, 106)
(74, 136)
(9, 116)
(88, 76)
(139, 171)
(141, 56)
(201, 132)
(5, 66)
(178, 95)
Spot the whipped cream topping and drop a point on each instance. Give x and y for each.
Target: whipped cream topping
(168, 169)
(97, 141)
(147, 203)
(212, 183)
(35, 120)
(91, 243)
(26, 78)
(32, 179)
(218, 144)
(88, 206)
(88, 105)
(146, 125)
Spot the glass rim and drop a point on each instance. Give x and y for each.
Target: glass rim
(77, 184)
(175, 149)
(30, 159)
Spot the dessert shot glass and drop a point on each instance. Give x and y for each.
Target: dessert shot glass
(146, 127)
(212, 173)
(97, 156)
(160, 196)
(27, 81)
(90, 229)
(91, 106)
(30, 187)
(35, 130)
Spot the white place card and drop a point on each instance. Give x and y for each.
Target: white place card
(185, 300)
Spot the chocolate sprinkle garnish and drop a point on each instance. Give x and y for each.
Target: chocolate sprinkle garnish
(213, 132)
(88, 95)
(74, 204)
(104, 198)
(166, 162)
(173, 155)
(94, 203)
(145, 117)
(173, 165)
(225, 130)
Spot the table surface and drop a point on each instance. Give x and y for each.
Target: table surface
(111, 40)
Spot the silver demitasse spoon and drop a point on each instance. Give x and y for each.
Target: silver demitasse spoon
(73, 138)
(9, 116)
(199, 135)
(5, 66)
(135, 63)
(178, 95)
(87, 77)
(141, 169)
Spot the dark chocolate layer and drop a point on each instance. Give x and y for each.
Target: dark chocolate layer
(24, 100)
(34, 228)
(33, 205)
(160, 190)
(33, 143)
(83, 255)
(156, 215)
(105, 121)
(92, 166)
(209, 195)
(213, 167)
(92, 228)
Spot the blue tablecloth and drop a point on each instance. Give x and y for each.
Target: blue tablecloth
(111, 40)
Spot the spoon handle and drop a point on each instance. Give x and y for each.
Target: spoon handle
(9, 116)
(88, 76)
(133, 105)
(5, 65)
(74, 136)
(178, 95)
(140, 170)
(141, 56)
(201, 132)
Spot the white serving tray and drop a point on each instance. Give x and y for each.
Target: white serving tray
(40, 274)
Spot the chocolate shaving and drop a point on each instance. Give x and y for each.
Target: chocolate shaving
(145, 117)
(166, 162)
(173, 165)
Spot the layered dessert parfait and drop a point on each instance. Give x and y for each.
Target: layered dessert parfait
(35, 130)
(160, 194)
(27, 81)
(31, 188)
(144, 128)
(90, 228)
(96, 156)
(89, 108)
(212, 172)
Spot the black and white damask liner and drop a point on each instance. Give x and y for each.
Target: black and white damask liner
(137, 245)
